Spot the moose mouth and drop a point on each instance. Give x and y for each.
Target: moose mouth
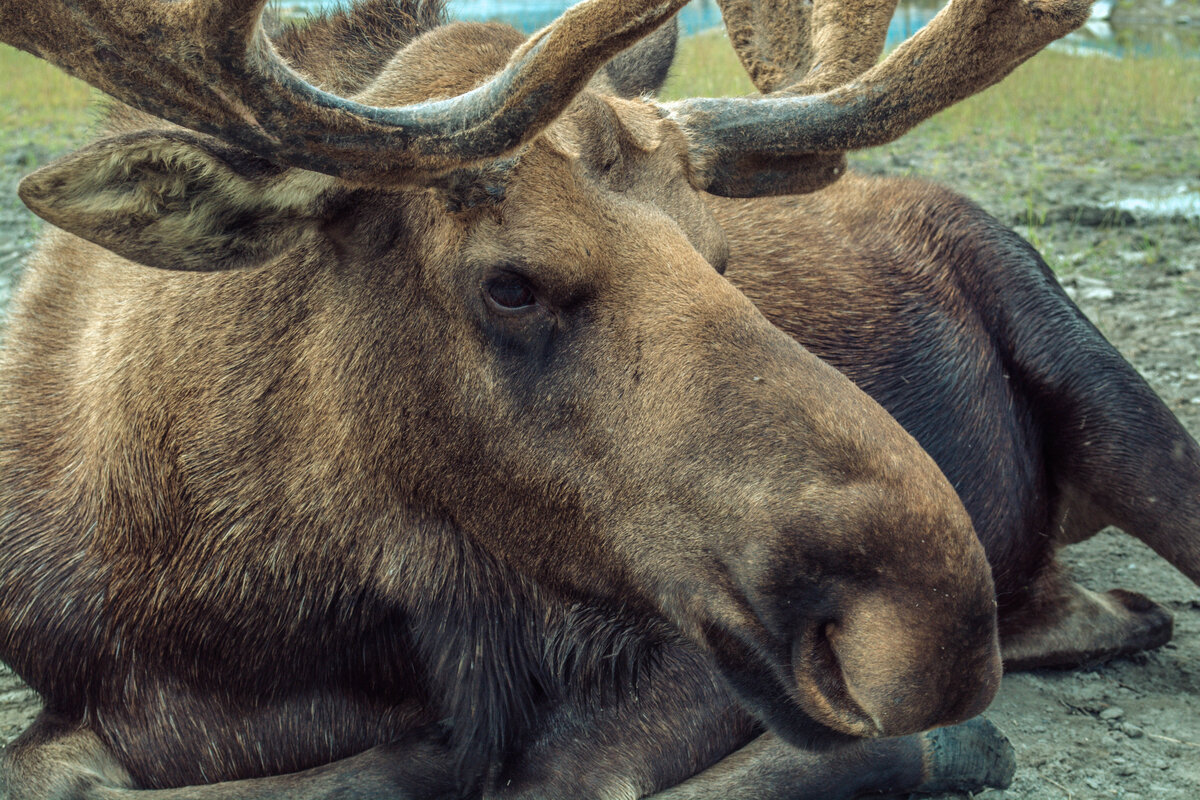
(786, 706)
(835, 683)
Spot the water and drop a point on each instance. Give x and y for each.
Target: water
(697, 16)
(1182, 204)
(1096, 38)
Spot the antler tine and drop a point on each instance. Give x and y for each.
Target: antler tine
(755, 146)
(847, 39)
(772, 38)
(809, 46)
(208, 66)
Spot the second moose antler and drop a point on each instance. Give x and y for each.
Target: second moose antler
(748, 146)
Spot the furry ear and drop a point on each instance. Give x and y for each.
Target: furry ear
(643, 68)
(177, 200)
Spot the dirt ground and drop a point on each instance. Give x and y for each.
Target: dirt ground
(1128, 729)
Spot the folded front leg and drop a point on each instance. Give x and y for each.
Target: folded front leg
(964, 758)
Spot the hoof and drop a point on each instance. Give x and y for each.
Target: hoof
(1151, 626)
(969, 757)
(1083, 627)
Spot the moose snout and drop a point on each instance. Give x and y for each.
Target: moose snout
(891, 667)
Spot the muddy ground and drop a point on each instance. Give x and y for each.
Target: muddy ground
(1128, 729)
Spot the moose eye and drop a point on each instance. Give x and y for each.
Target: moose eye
(509, 292)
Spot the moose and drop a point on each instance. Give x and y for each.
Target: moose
(411, 409)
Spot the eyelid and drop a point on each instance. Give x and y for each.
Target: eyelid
(506, 273)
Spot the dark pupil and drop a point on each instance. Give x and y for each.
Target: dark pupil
(510, 292)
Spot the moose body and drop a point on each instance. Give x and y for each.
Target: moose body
(958, 328)
(469, 475)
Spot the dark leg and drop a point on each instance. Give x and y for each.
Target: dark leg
(679, 725)
(417, 771)
(1119, 457)
(1116, 453)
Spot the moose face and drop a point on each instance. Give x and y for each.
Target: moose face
(602, 410)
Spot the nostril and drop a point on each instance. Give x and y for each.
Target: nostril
(823, 657)
(821, 681)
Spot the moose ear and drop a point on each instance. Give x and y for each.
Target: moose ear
(179, 201)
(643, 68)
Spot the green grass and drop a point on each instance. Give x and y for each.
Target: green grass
(1058, 120)
(1060, 129)
(1098, 99)
(706, 66)
(37, 96)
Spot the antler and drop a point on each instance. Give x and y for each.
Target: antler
(791, 140)
(208, 66)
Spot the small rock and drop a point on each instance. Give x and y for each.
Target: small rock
(1112, 712)
(1132, 731)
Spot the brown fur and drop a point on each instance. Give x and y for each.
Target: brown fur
(330, 497)
(333, 504)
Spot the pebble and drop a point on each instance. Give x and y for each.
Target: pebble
(1132, 731)
(1112, 712)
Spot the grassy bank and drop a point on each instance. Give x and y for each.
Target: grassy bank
(43, 113)
(1059, 137)
(1110, 107)
(35, 97)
